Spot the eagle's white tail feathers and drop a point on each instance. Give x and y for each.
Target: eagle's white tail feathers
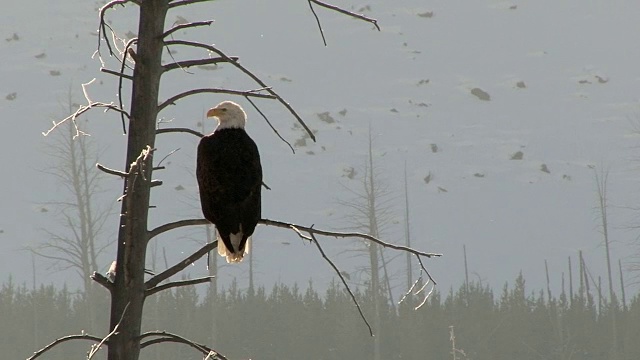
(233, 257)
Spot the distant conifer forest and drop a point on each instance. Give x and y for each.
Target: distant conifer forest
(287, 322)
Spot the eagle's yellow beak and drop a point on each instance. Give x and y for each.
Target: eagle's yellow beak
(213, 112)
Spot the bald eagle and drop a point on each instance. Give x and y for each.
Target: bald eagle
(230, 179)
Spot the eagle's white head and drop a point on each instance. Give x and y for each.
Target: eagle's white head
(230, 115)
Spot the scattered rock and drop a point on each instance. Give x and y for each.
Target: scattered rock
(180, 21)
(208, 67)
(479, 175)
(434, 148)
(310, 152)
(518, 155)
(365, 8)
(14, 37)
(179, 188)
(442, 190)
(300, 142)
(584, 82)
(521, 85)
(602, 80)
(54, 73)
(342, 112)
(285, 79)
(11, 96)
(44, 210)
(423, 82)
(393, 110)
(427, 179)
(545, 169)
(41, 56)
(566, 177)
(513, 7)
(129, 35)
(349, 172)
(326, 117)
(481, 94)
(428, 14)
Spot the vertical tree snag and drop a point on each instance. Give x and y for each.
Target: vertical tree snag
(128, 290)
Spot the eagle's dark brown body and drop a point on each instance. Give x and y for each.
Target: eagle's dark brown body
(230, 179)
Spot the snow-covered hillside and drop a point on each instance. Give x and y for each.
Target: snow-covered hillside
(500, 110)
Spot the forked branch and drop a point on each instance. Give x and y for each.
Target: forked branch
(248, 73)
(173, 284)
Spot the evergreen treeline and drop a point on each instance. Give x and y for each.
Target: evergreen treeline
(290, 323)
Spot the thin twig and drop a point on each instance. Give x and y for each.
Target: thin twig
(97, 347)
(64, 339)
(347, 12)
(102, 28)
(248, 73)
(344, 282)
(154, 281)
(254, 93)
(185, 26)
(81, 110)
(169, 337)
(173, 284)
(197, 62)
(165, 158)
(317, 21)
(124, 62)
(107, 170)
(269, 122)
(119, 74)
(185, 2)
(184, 130)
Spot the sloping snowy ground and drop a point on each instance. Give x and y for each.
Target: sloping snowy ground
(482, 81)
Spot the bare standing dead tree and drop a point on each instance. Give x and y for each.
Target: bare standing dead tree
(143, 57)
(79, 247)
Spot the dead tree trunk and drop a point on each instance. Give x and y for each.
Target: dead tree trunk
(129, 287)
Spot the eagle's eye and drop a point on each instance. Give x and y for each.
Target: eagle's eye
(224, 110)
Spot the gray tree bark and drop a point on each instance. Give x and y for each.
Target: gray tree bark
(129, 286)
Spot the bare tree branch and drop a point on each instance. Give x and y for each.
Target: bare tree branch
(344, 282)
(197, 62)
(345, 12)
(324, 40)
(185, 26)
(82, 109)
(155, 289)
(122, 66)
(154, 281)
(111, 171)
(184, 130)
(119, 74)
(248, 73)
(309, 230)
(64, 339)
(269, 122)
(102, 28)
(102, 280)
(97, 347)
(169, 337)
(254, 93)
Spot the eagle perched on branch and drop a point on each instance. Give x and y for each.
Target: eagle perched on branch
(230, 179)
